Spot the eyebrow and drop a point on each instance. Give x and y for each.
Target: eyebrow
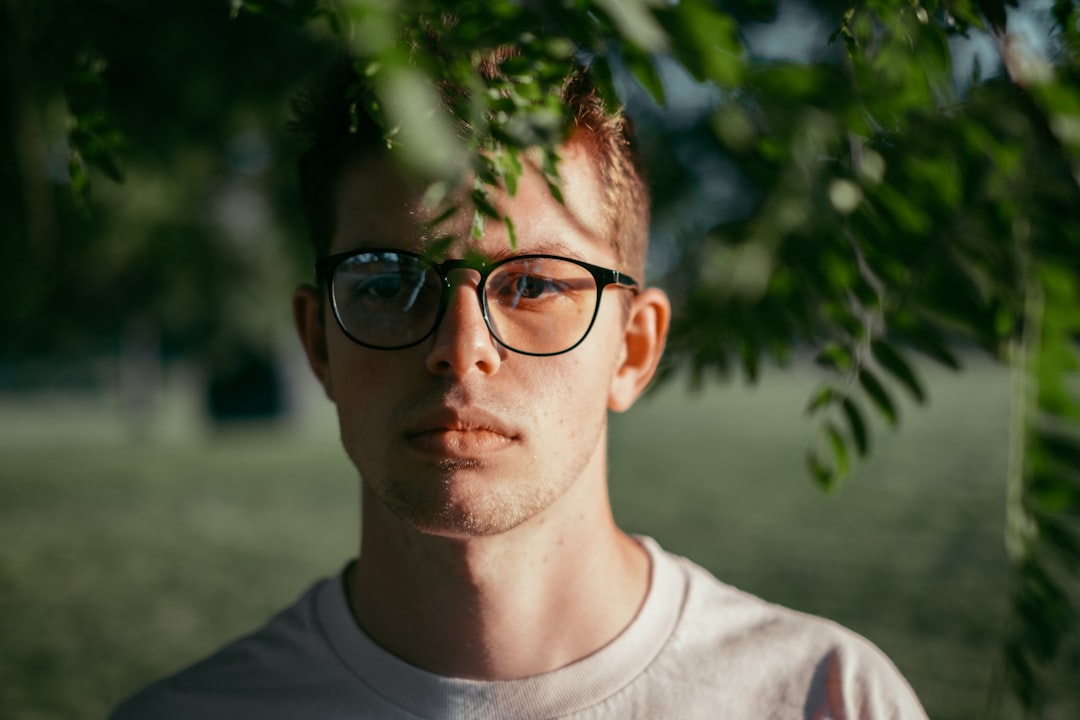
(554, 246)
(547, 247)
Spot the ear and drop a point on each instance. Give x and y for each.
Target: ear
(311, 326)
(643, 345)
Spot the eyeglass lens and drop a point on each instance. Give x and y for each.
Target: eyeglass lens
(532, 305)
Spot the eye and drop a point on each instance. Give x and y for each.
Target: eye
(397, 289)
(514, 289)
(528, 287)
(380, 287)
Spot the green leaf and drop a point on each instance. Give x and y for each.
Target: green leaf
(751, 359)
(835, 356)
(839, 449)
(821, 473)
(857, 425)
(822, 397)
(643, 68)
(434, 195)
(600, 74)
(1054, 489)
(878, 395)
(1062, 540)
(706, 41)
(931, 344)
(510, 168)
(891, 360)
(483, 204)
(549, 163)
(1043, 608)
(733, 127)
(486, 168)
(80, 183)
(1020, 674)
(635, 22)
(438, 249)
(1062, 448)
(428, 140)
(510, 232)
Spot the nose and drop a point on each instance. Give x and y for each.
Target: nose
(462, 342)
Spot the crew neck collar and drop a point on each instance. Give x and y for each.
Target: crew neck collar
(566, 690)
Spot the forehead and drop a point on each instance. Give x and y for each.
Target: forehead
(378, 206)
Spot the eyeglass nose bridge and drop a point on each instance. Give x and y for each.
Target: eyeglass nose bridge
(450, 265)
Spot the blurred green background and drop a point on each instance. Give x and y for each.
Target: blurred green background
(169, 474)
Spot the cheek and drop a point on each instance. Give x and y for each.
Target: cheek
(361, 390)
(575, 390)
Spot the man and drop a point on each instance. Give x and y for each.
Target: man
(472, 381)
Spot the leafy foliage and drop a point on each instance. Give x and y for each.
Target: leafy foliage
(890, 210)
(182, 112)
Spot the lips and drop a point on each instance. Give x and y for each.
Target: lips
(466, 433)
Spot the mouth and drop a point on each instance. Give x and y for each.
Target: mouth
(460, 434)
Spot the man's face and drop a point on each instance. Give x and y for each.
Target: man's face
(459, 436)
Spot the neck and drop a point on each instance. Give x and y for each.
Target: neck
(551, 591)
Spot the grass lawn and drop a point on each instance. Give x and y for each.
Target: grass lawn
(120, 562)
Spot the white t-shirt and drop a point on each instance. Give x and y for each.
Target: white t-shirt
(697, 649)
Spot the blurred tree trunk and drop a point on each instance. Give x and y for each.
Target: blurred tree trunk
(27, 139)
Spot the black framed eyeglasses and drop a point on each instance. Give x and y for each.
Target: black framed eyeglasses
(532, 304)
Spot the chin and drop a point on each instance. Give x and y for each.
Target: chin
(461, 508)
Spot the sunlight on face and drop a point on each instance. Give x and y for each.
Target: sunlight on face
(458, 435)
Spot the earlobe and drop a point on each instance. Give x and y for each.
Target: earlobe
(310, 325)
(643, 346)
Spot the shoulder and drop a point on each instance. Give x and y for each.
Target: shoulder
(780, 657)
(290, 651)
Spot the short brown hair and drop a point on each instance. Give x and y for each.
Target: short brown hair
(333, 135)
